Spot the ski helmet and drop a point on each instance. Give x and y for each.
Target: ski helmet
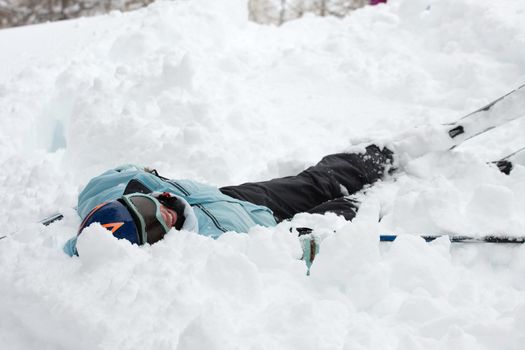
(115, 217)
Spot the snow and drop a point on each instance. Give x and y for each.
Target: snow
(196, 91)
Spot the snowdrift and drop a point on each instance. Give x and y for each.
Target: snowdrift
(195, 90)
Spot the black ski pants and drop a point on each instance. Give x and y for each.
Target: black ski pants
(320, 188)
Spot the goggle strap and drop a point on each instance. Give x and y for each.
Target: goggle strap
(139, 222)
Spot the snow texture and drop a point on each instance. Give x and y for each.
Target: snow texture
(195, 90)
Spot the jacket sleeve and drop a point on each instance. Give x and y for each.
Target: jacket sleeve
(70, 248)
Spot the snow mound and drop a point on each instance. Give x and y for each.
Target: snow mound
(195, 90)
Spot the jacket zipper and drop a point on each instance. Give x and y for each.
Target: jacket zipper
(182, 189)
(200, 206)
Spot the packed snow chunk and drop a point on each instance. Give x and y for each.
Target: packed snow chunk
(321, 224)
(519, 318)
(419, 309)
(98, 247)
(202, 333)
(419, 267)
(421, 140)
(133, 46)
(489, 207)
(233, 274)
(410, 342)
(274, 249)
(426, 210)
(350, 261)
(305, 323)
(457, 338)
(179, 73)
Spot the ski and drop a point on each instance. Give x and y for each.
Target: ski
(502, 110)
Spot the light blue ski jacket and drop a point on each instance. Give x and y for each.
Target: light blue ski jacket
(215, 212)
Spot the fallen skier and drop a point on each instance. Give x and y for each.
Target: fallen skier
(137, 204)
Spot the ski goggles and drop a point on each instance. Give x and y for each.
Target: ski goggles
(146, 211)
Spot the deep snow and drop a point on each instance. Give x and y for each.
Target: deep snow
(196, 91)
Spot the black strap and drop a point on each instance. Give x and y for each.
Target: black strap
(156, 173)
(135, 186)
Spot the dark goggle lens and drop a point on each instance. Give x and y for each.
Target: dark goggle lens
(147, 209)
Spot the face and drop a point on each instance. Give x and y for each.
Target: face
(168, 215)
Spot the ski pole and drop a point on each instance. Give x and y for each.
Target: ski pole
(46, 221)
(51, 219)
(302, 231)
(463, 239)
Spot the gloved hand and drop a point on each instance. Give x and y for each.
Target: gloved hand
(309, 245)
(310, 250)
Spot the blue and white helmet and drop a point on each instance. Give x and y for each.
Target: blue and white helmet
(115, 217)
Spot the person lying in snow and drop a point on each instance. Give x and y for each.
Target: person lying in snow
(139, 205)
